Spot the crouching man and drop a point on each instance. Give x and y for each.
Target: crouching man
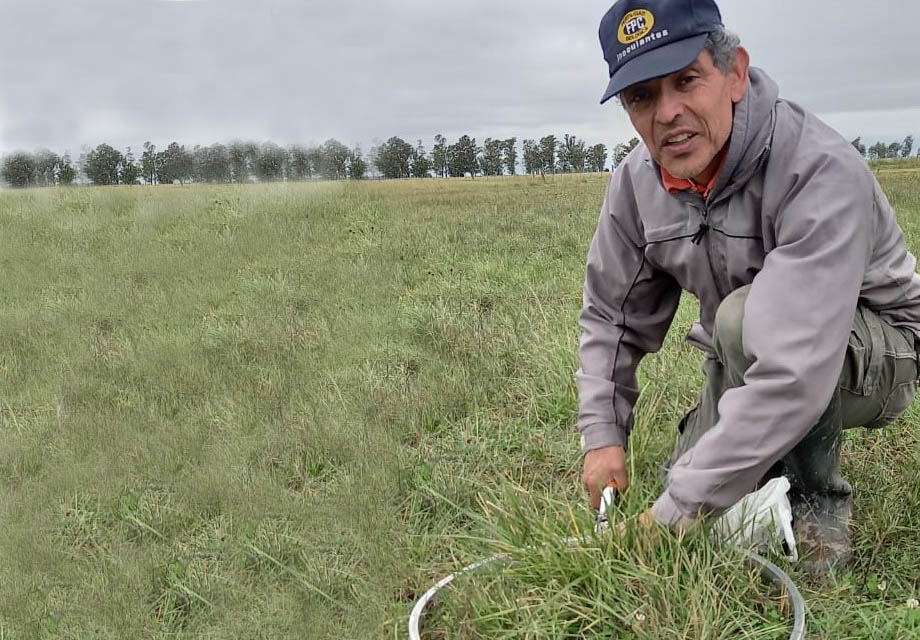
(809, 303)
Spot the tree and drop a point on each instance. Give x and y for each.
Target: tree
(420, 165)
(174, 163)
(103, 165)
(149, 163)
(315, 157)
(859, 146)
(906, 146)
(462, 157)
(439, 156)
(597, 157)
(129, 171)
(357, 167)
(509, 155)
(270, 162)
(333, 160)
(211, 164)
(19, 169)
(239, 168)
(878, 151)
(894, 149)
(491, 160)
(46, 165)
(370, 158)
(571, 155)
(299, 165)
(66, 172)
(622, 150)
(533, 163)
(394, 158)
(548, 146)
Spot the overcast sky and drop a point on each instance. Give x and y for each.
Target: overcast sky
(75, 72)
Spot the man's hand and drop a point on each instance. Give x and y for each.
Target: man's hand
(603, 466)
(646, 523)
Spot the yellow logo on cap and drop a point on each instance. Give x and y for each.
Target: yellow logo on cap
(635, 24)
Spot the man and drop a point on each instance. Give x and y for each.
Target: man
(809, 304)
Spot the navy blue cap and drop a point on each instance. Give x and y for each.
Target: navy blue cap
(645, 39)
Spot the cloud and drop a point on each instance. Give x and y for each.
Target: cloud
(305, 70)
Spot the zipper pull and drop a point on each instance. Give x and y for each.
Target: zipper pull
(698, 236)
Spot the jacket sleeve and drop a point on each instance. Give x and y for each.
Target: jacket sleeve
(797, 321)
(626, 311)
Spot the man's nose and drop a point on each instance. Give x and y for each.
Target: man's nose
(670, 106)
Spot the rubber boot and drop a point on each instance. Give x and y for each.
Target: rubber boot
(822, 504)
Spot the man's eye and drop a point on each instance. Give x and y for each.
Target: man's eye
(685, 80)
(638, 97)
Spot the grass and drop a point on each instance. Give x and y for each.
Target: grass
(284, 411)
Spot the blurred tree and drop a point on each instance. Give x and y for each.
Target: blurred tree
(906, 146)
(270, 161)
(509, 158)
(239, 168)
(315, 157)
(877, 151)
(334, 160)
(129, 172)
(439, 156)
(149, 163)
(357, 167)
(622, 150)
(19, 169)
(894, 149)
(213, 164)
(299, 165)
(66, 172)
(46, 165)
(859, 146)
(420, 164)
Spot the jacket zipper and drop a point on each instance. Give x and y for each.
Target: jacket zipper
(701, 233)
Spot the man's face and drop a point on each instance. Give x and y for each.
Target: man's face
(686, 118)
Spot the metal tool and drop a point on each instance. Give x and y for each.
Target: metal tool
(608, 496)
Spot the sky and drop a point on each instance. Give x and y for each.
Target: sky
(82, 72)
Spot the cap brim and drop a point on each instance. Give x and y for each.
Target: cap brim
(656, 63)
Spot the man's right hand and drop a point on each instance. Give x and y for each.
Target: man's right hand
(603, 466)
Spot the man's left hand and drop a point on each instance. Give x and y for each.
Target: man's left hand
(645, 523)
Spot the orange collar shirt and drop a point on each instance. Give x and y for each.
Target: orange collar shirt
(675, 185)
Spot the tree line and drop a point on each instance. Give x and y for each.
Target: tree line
(881, 150)
(237, 161)
(246, 161)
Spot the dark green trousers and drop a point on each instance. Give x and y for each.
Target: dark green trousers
(877, 383)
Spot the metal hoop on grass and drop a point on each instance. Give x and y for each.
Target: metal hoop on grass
(769, 570)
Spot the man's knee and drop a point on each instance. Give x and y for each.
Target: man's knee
(727, 334)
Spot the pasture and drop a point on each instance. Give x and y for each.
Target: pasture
(283, 411)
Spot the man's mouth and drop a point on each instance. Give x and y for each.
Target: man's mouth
(679, 138)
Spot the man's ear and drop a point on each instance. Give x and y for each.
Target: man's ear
(739, 74)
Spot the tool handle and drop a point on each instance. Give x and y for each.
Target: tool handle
(608, 496)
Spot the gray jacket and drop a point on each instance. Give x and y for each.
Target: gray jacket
(795, 213)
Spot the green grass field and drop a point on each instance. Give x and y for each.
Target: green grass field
(284, 411)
